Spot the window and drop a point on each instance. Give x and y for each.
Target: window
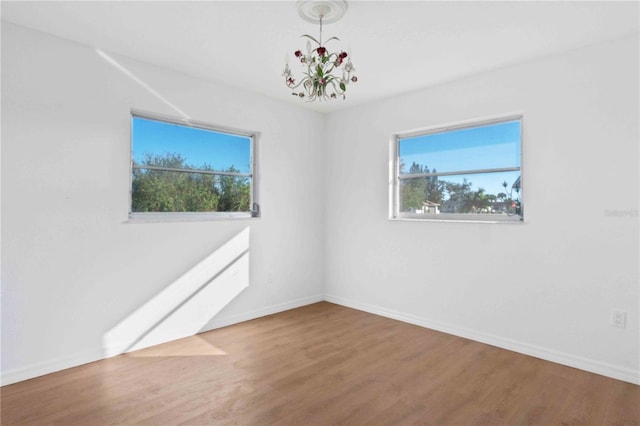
(192, 170)
(467, 172)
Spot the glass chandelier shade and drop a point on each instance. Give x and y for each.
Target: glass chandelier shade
(325, 74)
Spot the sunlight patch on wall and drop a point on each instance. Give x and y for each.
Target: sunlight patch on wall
(117, 65)
(184, 307)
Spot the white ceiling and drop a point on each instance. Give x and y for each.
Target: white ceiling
(397, 46)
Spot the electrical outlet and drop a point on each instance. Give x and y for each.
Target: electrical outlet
(618, 318)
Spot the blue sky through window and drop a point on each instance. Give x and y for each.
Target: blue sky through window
(483, 147)
(197, 146)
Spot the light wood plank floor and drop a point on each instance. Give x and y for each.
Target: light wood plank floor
(319, 365)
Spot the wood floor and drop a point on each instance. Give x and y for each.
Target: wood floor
(322, 364)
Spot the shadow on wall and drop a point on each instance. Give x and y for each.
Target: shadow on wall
(184, 307)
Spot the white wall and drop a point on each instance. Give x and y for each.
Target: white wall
(72, 267)
(546, 287)
(73, 270)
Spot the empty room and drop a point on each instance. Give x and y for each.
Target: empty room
(320, 212)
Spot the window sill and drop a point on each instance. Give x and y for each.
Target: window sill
(460, 218)
(188, 217)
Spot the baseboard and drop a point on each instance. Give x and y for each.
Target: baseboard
(50, 366)
(47, 367)
(269, 310)
(167, 335)
(593, 366)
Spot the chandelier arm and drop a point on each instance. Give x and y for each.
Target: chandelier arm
(338, 90)
(330, 70)
(312, 38)
(297, 85)
(333, 62)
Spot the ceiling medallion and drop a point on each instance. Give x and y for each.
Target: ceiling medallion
(326, 74)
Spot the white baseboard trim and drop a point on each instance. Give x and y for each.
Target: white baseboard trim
(225, 321)
(51, 366)
(593, 366)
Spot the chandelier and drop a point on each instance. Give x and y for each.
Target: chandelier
(325, 73)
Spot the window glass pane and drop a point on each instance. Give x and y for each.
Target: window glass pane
(157, 143)
(484, 147)
(489, 194)
(168, 191)
(190, 168)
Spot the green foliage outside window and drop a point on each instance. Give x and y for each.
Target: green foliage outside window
(453, 197)
(177, 191)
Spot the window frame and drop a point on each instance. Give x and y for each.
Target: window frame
(196, 216)
(396, 177)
